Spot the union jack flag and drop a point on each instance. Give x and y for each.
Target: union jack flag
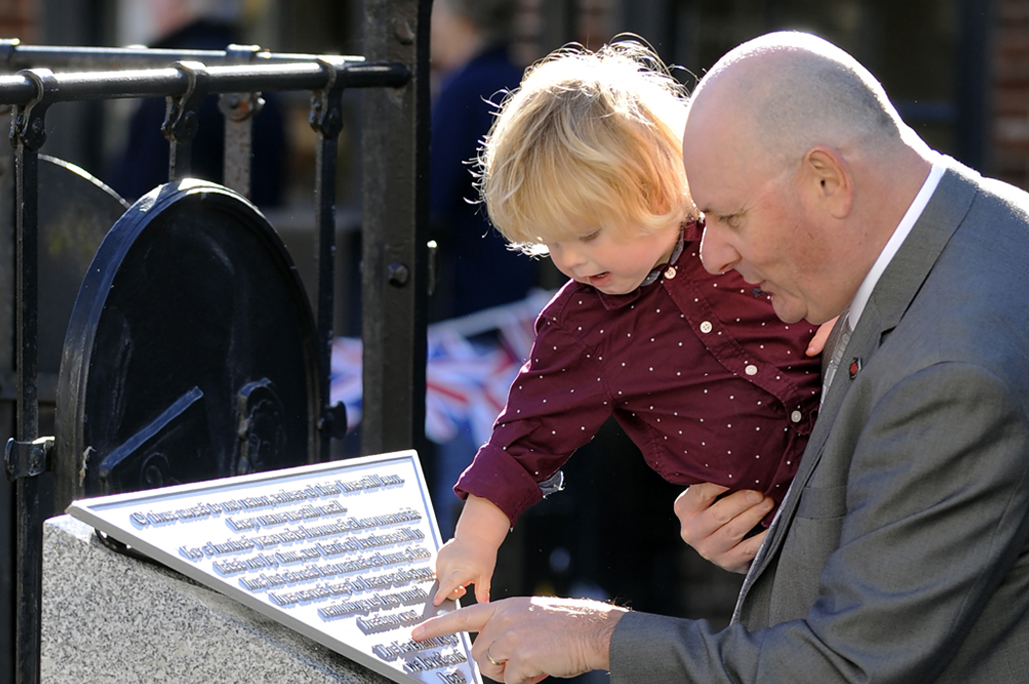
(466, 381)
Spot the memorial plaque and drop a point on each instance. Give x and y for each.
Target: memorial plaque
(343, 552)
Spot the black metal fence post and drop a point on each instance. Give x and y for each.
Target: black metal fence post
(28, 132)
(327, 120)
(394, 278)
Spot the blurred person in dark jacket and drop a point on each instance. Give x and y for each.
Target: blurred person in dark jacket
(143, 164)
(472, 70)
(470, 58)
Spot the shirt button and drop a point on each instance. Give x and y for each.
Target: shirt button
(670, 272)
(752, 370)
(706, 327)
(796, 416)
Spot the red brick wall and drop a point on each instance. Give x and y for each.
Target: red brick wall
(17, 20)
(1011, 93)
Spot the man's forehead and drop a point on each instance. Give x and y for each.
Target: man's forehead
(719, 201)
(711, 172)
(704, 189)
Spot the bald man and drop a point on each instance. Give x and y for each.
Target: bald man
(900, 553)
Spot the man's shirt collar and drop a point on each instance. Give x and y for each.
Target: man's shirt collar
(857, 306)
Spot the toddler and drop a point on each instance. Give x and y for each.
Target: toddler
(584, 164)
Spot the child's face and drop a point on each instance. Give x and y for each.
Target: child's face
(614, 262)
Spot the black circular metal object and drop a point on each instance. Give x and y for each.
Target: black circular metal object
(190, 353)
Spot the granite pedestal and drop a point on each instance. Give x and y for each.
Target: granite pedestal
(111, 618)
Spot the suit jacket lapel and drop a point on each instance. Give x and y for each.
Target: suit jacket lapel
(893, 294)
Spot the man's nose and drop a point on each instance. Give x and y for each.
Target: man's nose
(717, 255)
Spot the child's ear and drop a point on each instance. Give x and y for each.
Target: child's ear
(659, 204)
(828, 175)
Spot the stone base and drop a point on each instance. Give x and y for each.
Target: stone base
(110, 618)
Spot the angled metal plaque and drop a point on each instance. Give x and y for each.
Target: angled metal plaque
(343, 552)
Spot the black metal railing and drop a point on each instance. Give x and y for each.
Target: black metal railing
(395, 255)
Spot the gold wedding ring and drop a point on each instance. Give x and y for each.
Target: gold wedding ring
(498, 663)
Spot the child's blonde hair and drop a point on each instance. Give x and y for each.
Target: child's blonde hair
(594, 136)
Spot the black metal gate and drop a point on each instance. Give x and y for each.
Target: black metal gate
(394, 272)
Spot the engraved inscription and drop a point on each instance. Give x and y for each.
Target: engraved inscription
(252, 503)
(398, 649)
(373, 603)
(455, 677)
(384, 623)
(300, 549)
(345, 551)
(435, 661)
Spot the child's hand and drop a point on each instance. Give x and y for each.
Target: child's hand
(814, 348)
(471, 556)
(463, 562)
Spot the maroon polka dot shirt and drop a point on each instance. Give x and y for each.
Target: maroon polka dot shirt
(695, 367)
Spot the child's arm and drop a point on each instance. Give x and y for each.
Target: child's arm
(471, 556)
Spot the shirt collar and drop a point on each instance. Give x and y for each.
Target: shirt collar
(656, 272)
(857, 306)
(691, 231)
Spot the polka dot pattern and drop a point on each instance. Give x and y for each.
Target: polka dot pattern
(696, 369)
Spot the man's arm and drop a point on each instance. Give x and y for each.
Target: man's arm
(527, 639)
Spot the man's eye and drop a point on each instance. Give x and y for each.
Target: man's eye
(731, 220)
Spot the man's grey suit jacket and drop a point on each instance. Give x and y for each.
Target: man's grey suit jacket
(900, 553)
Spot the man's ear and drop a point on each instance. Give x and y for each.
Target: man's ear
(830, 178)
